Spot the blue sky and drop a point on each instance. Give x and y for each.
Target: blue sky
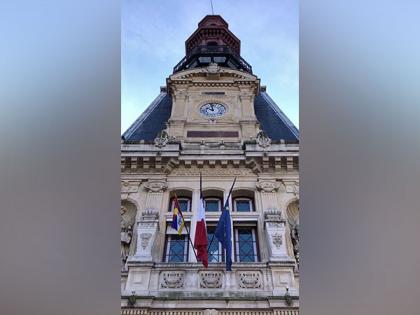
(153, 35)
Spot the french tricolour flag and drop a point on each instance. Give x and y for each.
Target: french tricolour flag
(200, 240)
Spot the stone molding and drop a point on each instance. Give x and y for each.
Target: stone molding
(273, 215)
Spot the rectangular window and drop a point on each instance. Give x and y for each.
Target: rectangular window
(243, 205)
(176, 246)
(246, 244)
(184, 203)
(212, 204)
(215, 248)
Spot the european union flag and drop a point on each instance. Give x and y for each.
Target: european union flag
(224, 231)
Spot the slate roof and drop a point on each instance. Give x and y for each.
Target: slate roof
(272, 120)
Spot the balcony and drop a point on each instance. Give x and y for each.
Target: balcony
(201, 56)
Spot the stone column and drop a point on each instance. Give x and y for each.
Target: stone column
(147, 230)
(148, 224)
(275, 229)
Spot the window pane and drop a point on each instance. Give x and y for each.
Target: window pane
(183, 204)
(212, 205)
(176, 248)
(246, 245)
(243, 205)
(213, 248)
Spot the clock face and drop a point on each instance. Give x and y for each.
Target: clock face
(212, 110)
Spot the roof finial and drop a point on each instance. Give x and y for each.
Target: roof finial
(212, 11)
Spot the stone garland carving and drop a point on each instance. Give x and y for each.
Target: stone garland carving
(156, 185)
(172, 279)
(262, 139)
(145, 237)
(211, 279)
(277, 240)
(268, 185)
(250, 279)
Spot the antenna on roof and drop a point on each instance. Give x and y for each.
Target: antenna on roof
(212, 11)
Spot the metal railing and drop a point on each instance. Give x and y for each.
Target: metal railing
(221, 50)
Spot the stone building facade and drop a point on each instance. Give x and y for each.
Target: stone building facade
(213, 117)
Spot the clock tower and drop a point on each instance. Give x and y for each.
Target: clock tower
(213, 88)
(213, 120)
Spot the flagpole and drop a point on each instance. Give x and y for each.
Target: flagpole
(186, 227)
(227, 200)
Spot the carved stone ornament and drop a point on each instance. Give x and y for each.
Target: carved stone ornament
(250, 279)
(129, 186)
(277, 240)
(273, 215)
(162, 139)
(292, 187)
(213, 68)
(211, 279)
(262, 139)
(268, 185)
(156, 185)
(149, 214)
(172, 279)
(145, 237)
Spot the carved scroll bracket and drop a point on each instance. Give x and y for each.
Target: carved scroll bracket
(266, 185)
(129, 187)
(156, 185)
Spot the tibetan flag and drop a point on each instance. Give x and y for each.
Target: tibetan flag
(200, 240)
(177, 218)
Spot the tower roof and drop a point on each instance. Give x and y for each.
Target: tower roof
(272, 120)
(213, 42)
